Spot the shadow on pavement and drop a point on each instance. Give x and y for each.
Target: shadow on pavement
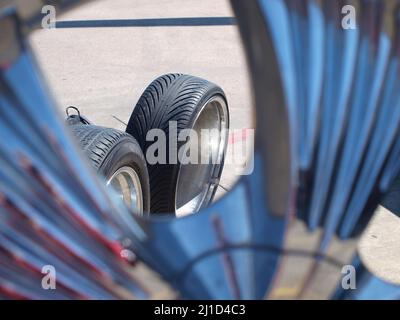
(163, 22)
(391, 201)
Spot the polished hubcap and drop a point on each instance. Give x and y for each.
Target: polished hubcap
(126, 183)
(197, 182)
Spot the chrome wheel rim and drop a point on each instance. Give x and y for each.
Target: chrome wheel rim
(196, 183)
(126, 183)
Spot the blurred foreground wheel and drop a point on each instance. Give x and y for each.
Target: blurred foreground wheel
(117, 156)
(182, 102)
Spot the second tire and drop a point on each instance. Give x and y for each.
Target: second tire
(189, 103)
(118, 158)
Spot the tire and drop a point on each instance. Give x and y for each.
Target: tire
(109, 150)
(180, 98)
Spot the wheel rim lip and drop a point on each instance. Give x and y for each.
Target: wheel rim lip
(206, 193)
(129, 176)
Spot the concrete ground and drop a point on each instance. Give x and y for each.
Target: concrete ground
(103, 72)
